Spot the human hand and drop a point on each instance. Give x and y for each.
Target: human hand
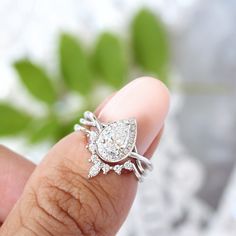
(58, 199)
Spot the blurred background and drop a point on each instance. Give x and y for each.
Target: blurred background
(59, 58)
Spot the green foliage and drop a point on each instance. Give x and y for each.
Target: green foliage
(36, 81)
(74, 64)
(150, 43)
(109, 60)
(12, 120)
(43, 129)
(67, 127)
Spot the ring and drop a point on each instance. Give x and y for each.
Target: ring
(113, 146)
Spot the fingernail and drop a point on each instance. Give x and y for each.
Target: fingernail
(147, 100)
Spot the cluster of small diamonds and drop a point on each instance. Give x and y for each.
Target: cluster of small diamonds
(105, 168)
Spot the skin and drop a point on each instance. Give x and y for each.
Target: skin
(56, 198)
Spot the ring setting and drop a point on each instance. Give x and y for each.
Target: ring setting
(113, 146)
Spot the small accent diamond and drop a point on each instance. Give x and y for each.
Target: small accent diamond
(118, 169)
(128, 165)
(95, 159)
(92, 147)
(92, 136)
(94, 170)
(105, 168)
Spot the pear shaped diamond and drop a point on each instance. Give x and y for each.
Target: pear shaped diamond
(117, 140)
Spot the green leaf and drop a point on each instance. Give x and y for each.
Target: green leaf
(109, 60)
(42, 130)
(68, 127)
(150, 43)
(36, 81)
(12, 120)
(74, 64)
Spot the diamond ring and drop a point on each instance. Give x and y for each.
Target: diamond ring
(112, 146)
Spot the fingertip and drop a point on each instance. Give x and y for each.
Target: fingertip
(147, 100)
(156, 87)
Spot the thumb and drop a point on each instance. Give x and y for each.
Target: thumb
(60, 200)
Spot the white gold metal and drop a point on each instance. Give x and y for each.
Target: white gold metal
(113, 147)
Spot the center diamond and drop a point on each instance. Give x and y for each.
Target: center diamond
(117, 140)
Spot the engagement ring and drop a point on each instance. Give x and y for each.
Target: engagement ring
(113, 146)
